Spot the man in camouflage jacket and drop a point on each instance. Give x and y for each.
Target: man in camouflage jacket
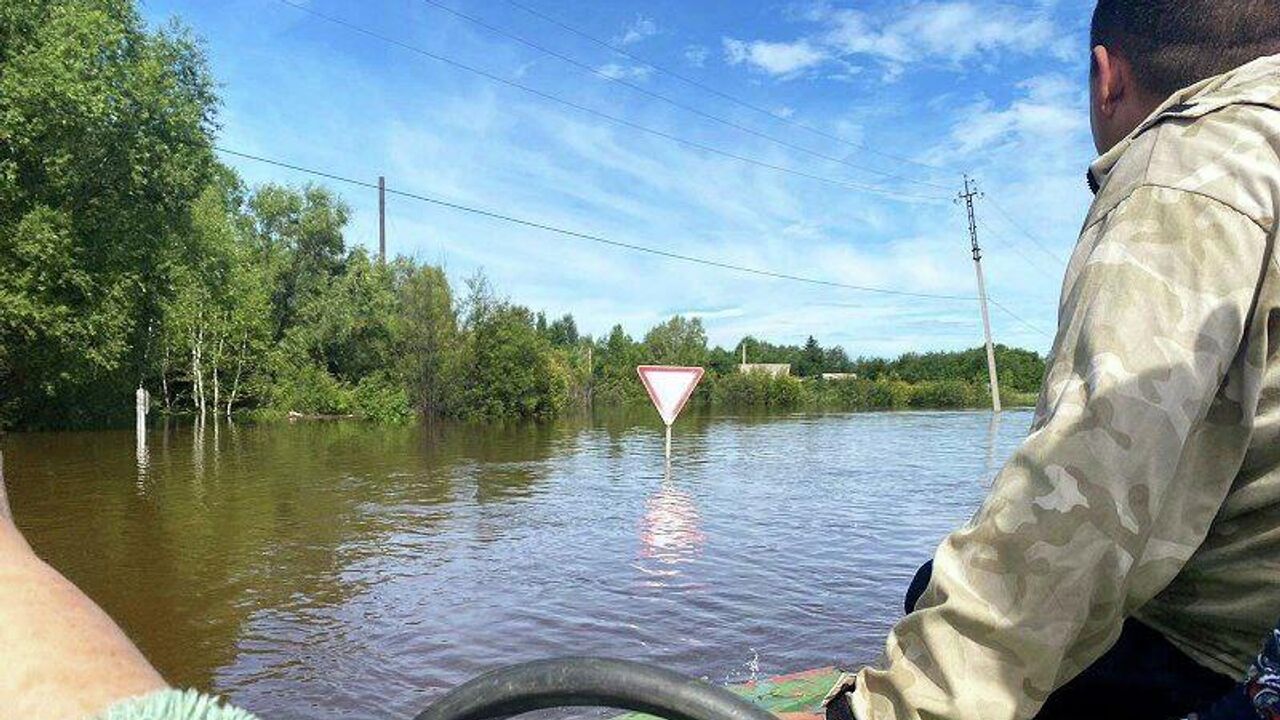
(1148, 490)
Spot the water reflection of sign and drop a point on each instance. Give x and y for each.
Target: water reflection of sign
(670, 531)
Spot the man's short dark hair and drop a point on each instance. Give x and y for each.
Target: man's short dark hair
(1175, 43)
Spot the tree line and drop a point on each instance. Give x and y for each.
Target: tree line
(132, 256)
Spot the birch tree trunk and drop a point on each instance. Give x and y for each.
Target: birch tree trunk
(197, 369)
(164, 377)
(235, 384)
(217, 360)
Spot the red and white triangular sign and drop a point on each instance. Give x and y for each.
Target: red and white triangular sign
(669, 387)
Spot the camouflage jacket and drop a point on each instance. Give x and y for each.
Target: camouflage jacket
(1149, 485)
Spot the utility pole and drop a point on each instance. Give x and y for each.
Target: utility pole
(382, 218)
(971, 192)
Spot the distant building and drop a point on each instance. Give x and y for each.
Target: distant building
(774, 369)
(839, 376)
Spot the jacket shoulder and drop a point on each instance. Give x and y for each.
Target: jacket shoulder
(1231, 155)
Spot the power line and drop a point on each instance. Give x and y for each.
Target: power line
(671, 101)
(714, 91)
(1027, 233)
(615, 243)
(590, 237)
(1015, 316)
(894, 194)
(641, 128)
(1005, 242)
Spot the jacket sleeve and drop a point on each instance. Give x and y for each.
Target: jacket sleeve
(1118, 482)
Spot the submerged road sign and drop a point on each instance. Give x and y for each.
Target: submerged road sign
(669, 388)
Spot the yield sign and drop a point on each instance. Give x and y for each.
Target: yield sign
(669, 387)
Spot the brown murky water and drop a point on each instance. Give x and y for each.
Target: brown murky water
(342, 569)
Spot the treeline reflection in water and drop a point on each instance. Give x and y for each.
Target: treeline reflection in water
(326, 568)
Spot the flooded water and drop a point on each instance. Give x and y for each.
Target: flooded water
(343, 569)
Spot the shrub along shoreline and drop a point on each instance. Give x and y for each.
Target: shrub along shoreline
(761, 390)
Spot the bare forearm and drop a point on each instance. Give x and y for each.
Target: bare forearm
(64, 658)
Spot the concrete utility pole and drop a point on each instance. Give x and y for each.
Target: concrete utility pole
(971, 192)
(382, 218)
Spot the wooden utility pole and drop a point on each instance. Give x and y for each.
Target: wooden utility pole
(382, 218)
(971, 192)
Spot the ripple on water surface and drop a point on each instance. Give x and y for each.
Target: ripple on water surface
(329, 569)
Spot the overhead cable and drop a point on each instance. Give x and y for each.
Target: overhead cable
(591, 237)
(717, 92)
(887, 192)
(613, 78)
(1026, 233)
(1006, 242)
(619, 244)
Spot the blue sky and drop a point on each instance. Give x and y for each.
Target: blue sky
(996, 89)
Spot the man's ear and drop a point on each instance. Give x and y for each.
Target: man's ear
(1110, 79)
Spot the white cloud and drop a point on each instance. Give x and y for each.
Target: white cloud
(616, 71)
(1048, 113)
(638, 30)
(523, 69)
(846, 72)
(946, 31)
(950, 31)
(1031, 152)
(732, 312)
(893, 72)
(696, 55)
(543, 165)
(774, 58)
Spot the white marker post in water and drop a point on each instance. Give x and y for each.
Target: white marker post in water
(669, 389)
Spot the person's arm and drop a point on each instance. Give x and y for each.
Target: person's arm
(1128, 461)
(61, 657)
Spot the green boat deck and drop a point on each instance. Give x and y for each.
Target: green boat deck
(797, 692)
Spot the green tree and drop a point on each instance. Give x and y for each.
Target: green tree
(836, 360)
(812, 359)
(300, 233)
(429, 330)
(510, 371)
(215, 316)
(563, 332)
(104, 145)
(678, 341)
(616, 358)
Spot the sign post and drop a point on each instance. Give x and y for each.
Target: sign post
(669, 388)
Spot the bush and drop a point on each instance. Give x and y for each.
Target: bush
(381, 399)
(759, 389)
(741, 390)
(310, 389)
(1015, 398)
(945, 394)
(871, 394)
(785, 391)
(507, 369)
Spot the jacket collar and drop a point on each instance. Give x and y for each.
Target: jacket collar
(1255, 83)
